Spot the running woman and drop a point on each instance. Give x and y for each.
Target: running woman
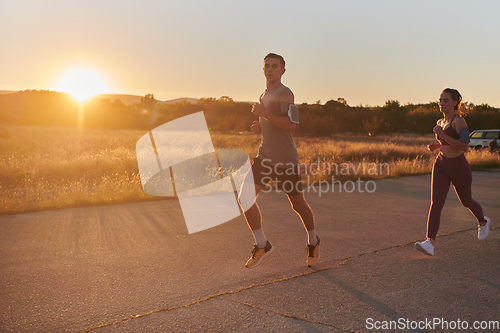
(450, 166)
(277, 160)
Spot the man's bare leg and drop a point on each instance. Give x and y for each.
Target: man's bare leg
(301, 207)
(254, 218)
(262, 247)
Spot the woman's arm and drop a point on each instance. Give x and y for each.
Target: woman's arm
(458, 144)
(433, 146)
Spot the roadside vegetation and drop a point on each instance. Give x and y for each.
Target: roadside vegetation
(50, 108)
(48, 167)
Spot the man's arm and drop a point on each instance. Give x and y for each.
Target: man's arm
(284, 123)
(256, 127)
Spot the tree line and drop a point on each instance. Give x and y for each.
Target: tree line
(49, 108)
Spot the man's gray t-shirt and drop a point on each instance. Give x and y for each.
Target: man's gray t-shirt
(277, 144)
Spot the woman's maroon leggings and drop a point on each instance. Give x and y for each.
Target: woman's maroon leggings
(445, 171)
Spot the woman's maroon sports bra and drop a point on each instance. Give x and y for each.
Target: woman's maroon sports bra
(449, 131)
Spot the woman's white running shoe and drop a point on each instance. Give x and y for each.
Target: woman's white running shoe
(425, 247)
(482, 232)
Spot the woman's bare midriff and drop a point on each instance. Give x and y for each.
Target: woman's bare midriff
(450, 152)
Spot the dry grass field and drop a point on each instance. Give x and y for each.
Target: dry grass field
(54, 167)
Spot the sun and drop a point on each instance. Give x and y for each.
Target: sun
(82, 84)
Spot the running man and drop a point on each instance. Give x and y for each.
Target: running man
(277, 160)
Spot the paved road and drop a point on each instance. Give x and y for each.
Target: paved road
(134, 267)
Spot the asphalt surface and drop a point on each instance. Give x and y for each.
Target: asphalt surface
(135, 268)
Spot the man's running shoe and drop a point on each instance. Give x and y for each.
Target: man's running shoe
(313, 255)
(259, 254)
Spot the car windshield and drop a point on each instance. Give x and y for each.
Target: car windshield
(477, 135)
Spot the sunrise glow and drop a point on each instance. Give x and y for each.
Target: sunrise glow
(82, 84)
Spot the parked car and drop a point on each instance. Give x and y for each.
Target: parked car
(481, 138)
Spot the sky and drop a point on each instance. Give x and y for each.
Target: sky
(364, 51)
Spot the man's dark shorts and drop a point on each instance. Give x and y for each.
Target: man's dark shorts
(286, 178)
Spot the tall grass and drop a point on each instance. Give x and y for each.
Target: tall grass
(51, 167)
(482, 160)
(54, 167)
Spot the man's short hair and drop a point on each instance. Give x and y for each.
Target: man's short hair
(277, 56)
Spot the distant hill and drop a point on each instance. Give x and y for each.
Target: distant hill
(132, 99)
(126, 99)
(178, 100)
